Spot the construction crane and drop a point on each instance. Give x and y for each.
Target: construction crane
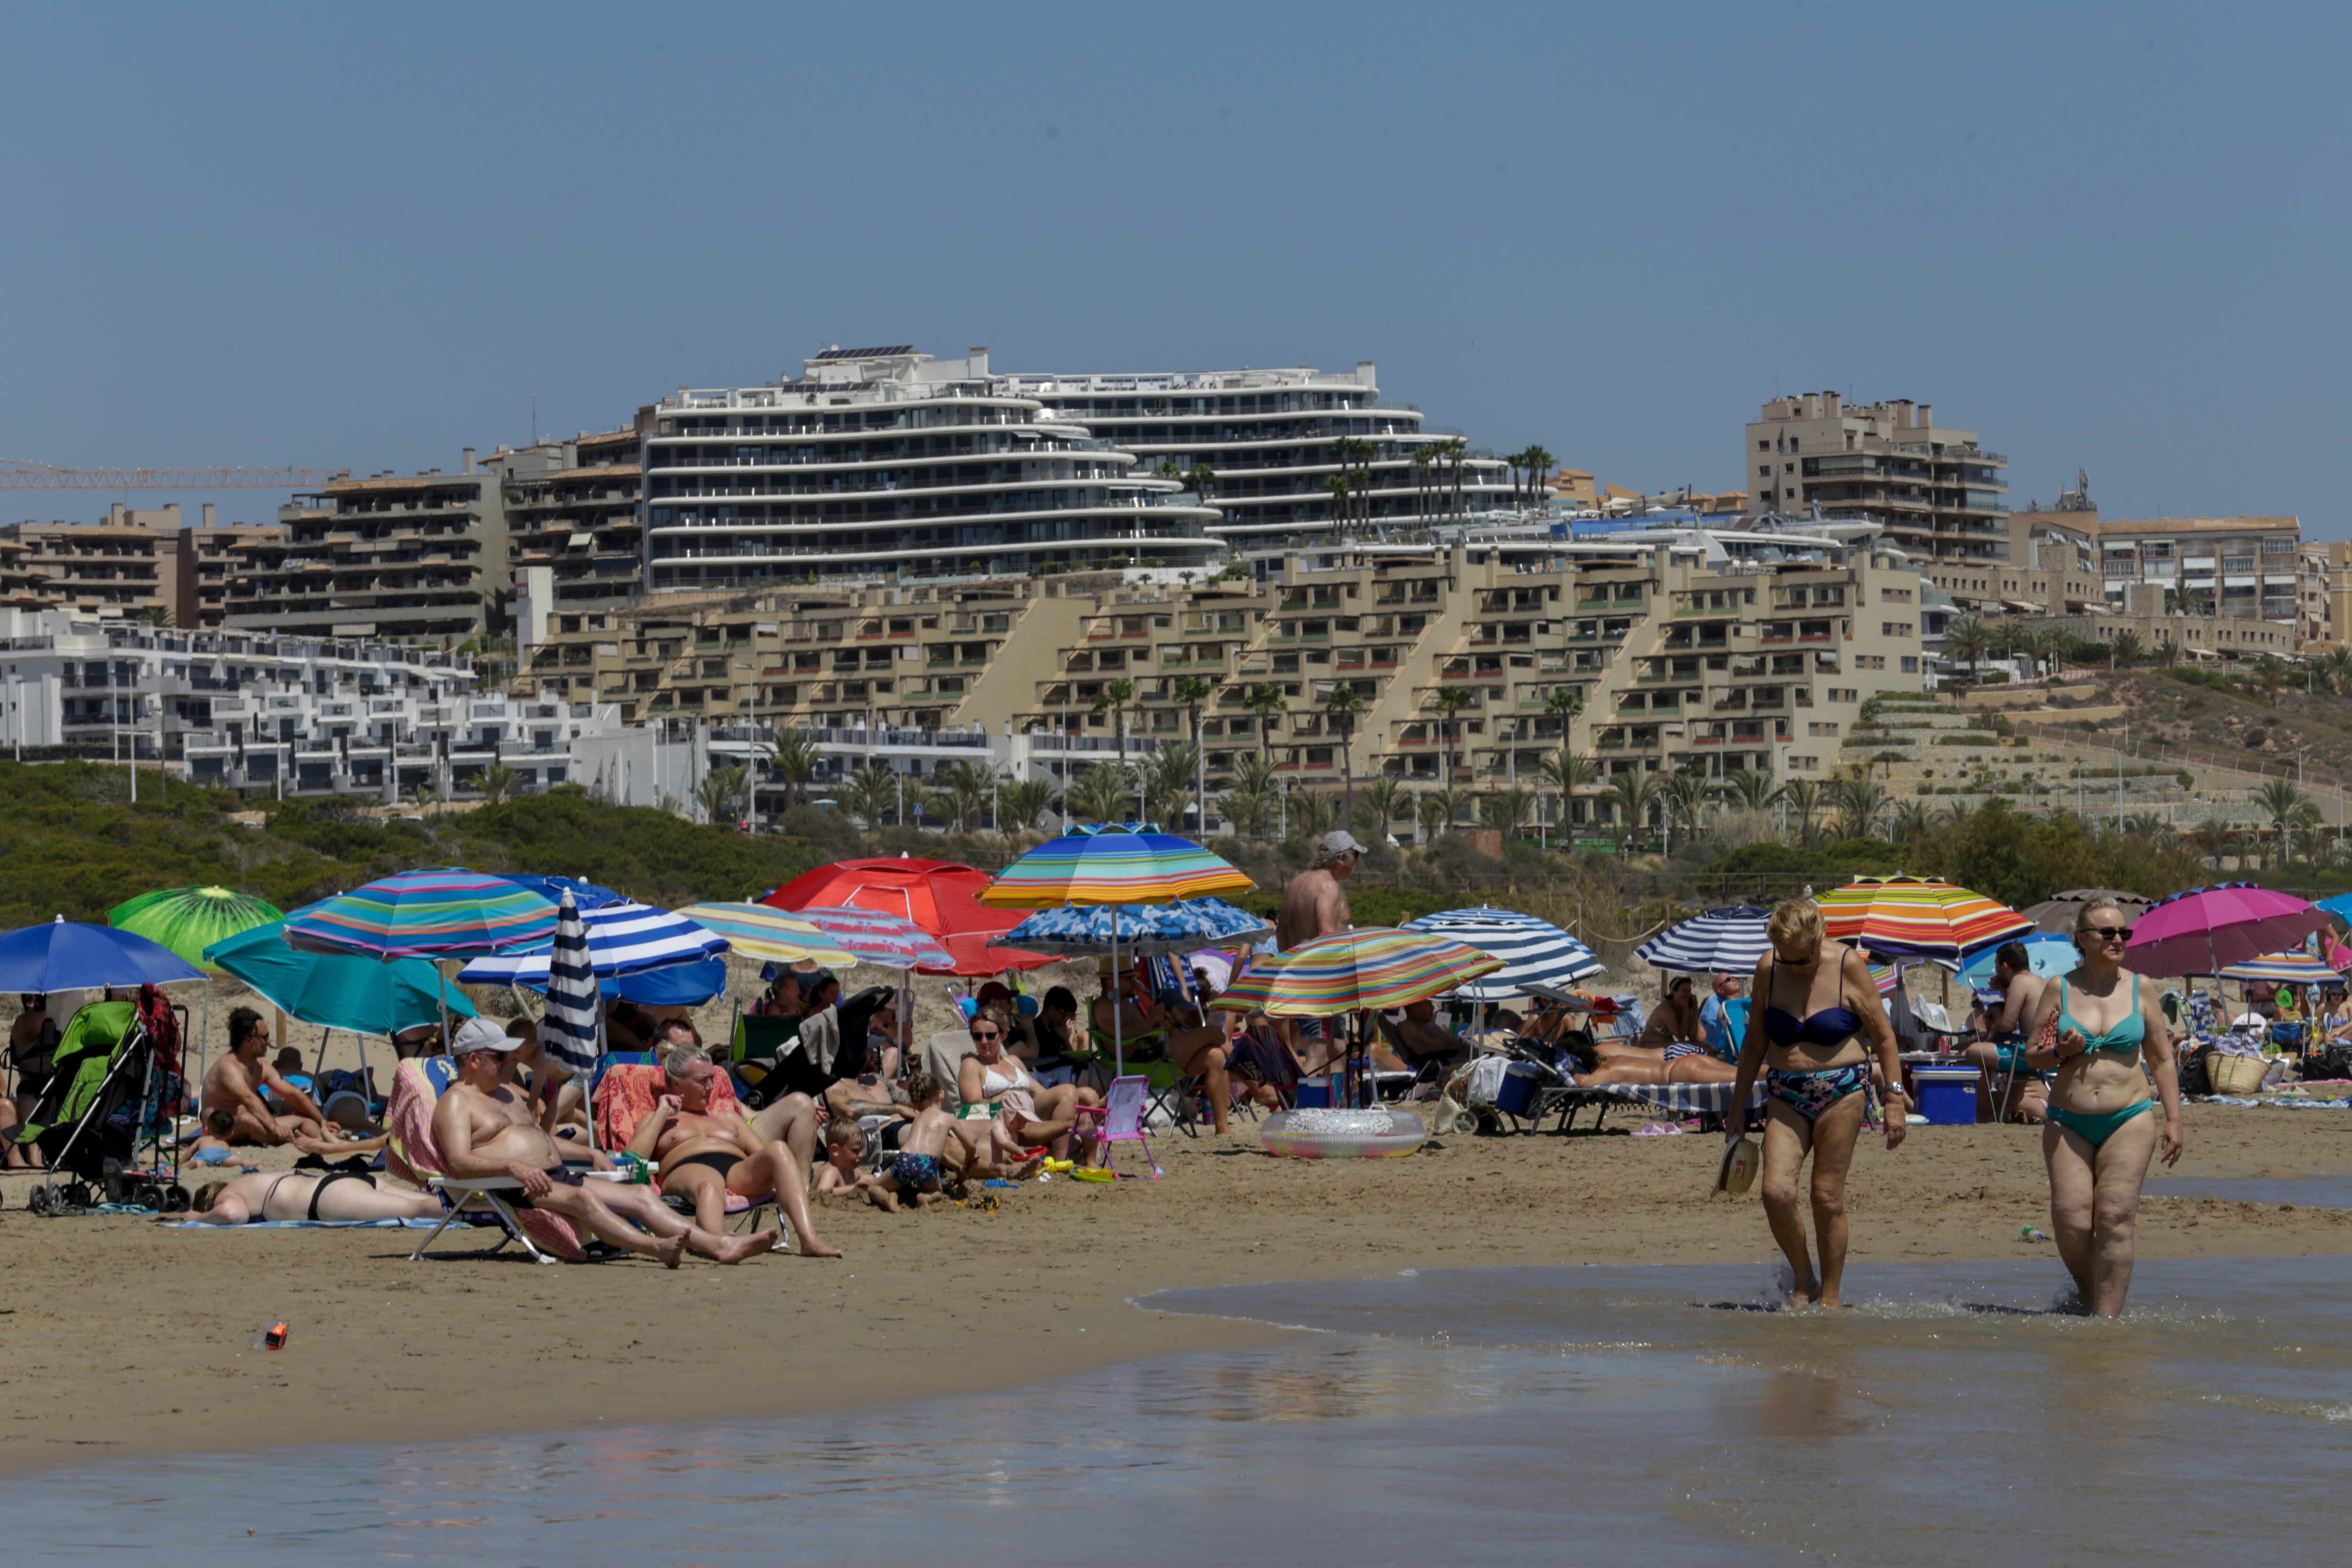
(18, 473)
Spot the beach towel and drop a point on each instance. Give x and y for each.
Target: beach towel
(316, 1225)
(417, 1087)
(628, 1095)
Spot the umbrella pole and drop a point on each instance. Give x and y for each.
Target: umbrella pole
(1117, 1002)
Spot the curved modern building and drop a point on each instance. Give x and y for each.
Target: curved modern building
(1268, 437)
(882, 460)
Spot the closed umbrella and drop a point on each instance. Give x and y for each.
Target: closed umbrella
(1534, 953)
(572, 1030)
(1722, 941)
(188, 920)
(2207, 929)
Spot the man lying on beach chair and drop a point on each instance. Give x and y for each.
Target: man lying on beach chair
(695, 1133)
(485, 1134)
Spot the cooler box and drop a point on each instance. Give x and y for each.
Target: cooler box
(1516, 1097)
(1313, 1094)
(1948, 1095)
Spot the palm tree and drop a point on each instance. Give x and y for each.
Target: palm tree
(1200, 477)
(1424, 483)
(1340, 488)
(1804, 798)
(1167, 783)
(1966, 637)
(1115, 695)
(962, 788)
(424, 797)
(916, 797)
(793, 758)
(1344, 703)
(1310, 814)
(2278, 801)
(1103, 793)
(1686, 792)
(1564, 705)
(1451, 700)
(495, 783)
(1505, 810)
(871, 793)
(1019, 805)
(1859, 802)
(1567, 773)
(1912, 819)
(1382, 795)
(2212, 837)
(1249, 797)
(1266, 700)
(1539, 461)
(1455, 451)
(1439, 809)
(1635, 796)
(2337, 665)
(1752, 788)
(721, 792)
(2168, 653)
(2127, 650)
(2269, 674)
(1192, 691)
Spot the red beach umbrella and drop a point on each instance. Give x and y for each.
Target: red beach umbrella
(941, 896)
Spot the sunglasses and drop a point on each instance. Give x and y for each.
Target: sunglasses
(2110, 933)
(987, 1034)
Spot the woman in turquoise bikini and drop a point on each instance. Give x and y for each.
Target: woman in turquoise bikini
(1814, 1003)
(2102, 1127)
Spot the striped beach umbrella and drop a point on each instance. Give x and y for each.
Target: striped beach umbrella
(451, 913)
(623, 938)
(1374, 967)
(1253, 988)
(188, 920)
(2287, 969)
(1112, 867)
(757, 931)
(569, 1030)
(873, 937)
(1533, 952)
(1179, 927)
(1722, 941)
(1918, 917)
(2206, 929)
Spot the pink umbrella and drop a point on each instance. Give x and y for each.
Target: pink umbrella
(2207, 929)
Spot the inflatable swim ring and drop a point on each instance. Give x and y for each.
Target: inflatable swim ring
(1320, 1135)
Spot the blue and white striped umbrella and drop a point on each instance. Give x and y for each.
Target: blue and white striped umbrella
(567, 1030)
(1534, 952)
(1728, 941)
(623, 939)
(1144, 928)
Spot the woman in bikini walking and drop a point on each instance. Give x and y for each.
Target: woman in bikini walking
(2102, 1128)
(1814, 1003)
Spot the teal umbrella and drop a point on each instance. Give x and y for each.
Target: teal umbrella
(337, 990)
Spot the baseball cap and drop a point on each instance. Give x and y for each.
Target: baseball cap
(481, 1034)
(1338, 842)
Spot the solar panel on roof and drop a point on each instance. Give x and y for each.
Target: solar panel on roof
(880, 353)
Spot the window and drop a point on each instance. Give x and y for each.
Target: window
(1804, 764)
(1763, 447)
(1830, 728)
(1910, 665)
(1764, 468)
(1896, 628)
(1894, 596)
(1870, 660)
(1839, 695)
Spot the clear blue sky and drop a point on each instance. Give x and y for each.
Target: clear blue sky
(2104, 236)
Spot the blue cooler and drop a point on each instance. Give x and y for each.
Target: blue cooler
(1948, 1095)
(1313, 1094)
(1516, 1097)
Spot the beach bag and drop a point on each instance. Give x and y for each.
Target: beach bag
(2193, 1079)
(2333, 1063)
(1485, 1082)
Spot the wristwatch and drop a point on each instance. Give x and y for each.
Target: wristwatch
(1897, 1089)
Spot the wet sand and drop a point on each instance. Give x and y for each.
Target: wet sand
(118, 1336)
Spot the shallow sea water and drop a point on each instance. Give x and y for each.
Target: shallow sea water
(1654, 1415)
(2314, 1192)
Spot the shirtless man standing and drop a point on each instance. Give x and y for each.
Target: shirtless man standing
(484, 1128)
(234, 1083)
(1316, 904)
(703, 1157)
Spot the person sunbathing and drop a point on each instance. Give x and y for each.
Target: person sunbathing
(347, 1196)
(1593, 1068)
(868, 1089)
(1031, 1113)
(704, 1156)
(237, 1081)
(484, 1127)
(1417, 1041)
(913, 1171)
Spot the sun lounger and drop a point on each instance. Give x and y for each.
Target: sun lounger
(1676, 1101)
(625, 1095)
(417, 1087)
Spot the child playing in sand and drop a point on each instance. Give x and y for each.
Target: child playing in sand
(914, 1170)
(213, 1147)
(844, 1148)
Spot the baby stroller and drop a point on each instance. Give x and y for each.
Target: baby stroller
(107, 1095)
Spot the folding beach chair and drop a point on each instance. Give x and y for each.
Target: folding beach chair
(1120, 1120)
(624, 1094)
(417, 1087)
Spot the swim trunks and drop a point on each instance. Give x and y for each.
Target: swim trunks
(916, 1171)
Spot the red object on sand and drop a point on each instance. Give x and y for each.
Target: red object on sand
(941, 896)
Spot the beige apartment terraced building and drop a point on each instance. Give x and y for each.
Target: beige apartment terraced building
(1687, 648)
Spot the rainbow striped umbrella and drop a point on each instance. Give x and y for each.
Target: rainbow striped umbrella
(873, 937)
(1918, 917)
(1112, 867)
(758, 931)
(1374, 967)
(1253, 988)
(451, 913)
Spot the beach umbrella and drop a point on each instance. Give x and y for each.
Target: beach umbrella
(1532, 952)
(871, 937)
(1907, 917)
(941, 897)
(1722, 941)
(2287, 969)
(2057, 912)
(757, 931)
(1253, 988)
(1119, 866)
(552, 888)
(572, 1030)
(1885, 976)
(1372, 968)
(2048, 955)
(451, 913)
(624, 938)
(71, 956)
(188, 920)
(1177, 927)
(2206, 929)
(336, 990)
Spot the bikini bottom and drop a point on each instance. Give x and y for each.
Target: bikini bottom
(1809, 1093)
(2096, 1127)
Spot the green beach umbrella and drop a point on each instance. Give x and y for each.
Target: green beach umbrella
(188, 920)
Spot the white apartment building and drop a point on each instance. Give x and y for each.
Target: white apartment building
(1268, 438)
(885, 462)
(1937, 491)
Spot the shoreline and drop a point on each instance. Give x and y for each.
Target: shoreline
(111, 1346)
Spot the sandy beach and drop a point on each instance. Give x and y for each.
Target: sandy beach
(121, 1336)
